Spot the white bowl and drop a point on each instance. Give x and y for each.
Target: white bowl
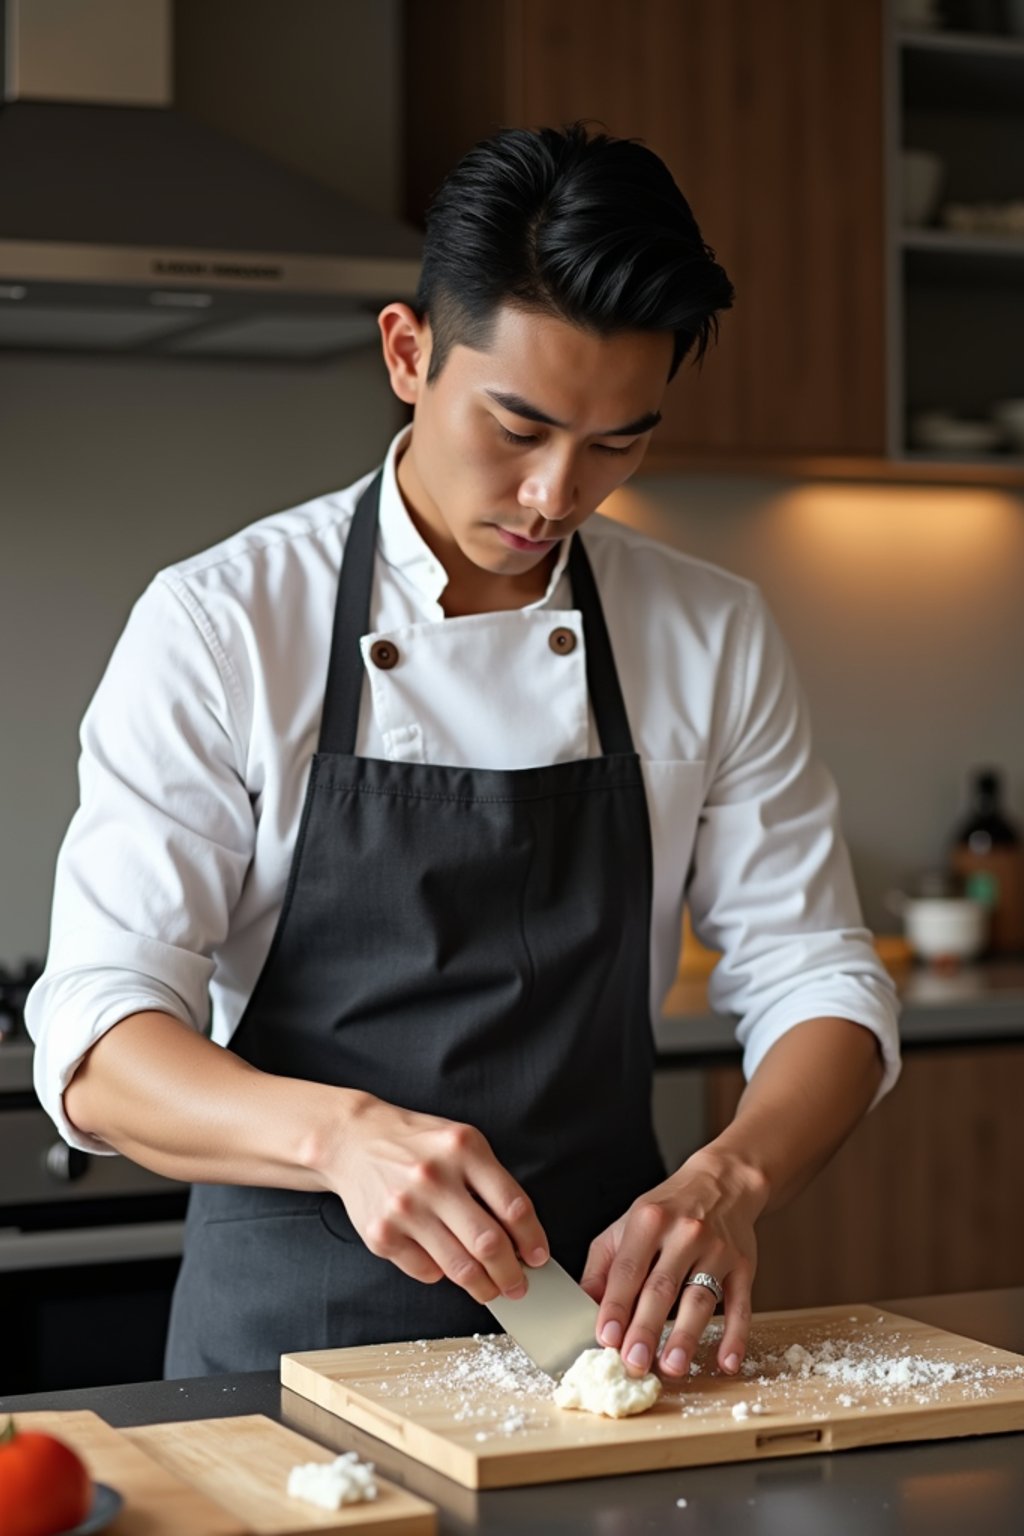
(945, 927)
(954, 434)
(921, 175)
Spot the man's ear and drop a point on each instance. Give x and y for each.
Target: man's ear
(406, 343)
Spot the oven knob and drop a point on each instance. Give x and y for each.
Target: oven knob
(66, 1163)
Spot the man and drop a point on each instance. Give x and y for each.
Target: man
(398, 793)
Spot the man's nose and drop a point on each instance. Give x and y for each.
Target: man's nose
(553, 494)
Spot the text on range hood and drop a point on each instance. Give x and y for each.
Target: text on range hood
(136, 229)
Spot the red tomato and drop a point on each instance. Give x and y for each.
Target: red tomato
(44, 1486)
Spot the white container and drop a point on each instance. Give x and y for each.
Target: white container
(945, 927)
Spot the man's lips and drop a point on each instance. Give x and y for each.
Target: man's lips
(517, 541)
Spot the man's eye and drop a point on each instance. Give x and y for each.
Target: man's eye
(513, 437)
(604, 448)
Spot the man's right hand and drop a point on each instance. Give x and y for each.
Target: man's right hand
(430, 1195)
(426, 1193)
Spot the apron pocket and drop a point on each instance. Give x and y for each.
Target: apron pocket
(252, 1285)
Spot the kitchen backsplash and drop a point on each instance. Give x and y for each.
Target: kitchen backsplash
(902, 608)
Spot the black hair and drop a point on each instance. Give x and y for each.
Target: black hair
(589, 228)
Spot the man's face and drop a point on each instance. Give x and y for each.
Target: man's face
(490, 482)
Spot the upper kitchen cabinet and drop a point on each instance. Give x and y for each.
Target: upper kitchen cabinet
(770, 117)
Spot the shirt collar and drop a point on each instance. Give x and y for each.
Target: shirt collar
(404, 548)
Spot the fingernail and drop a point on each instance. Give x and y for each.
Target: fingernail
(516, 1292)
(675, 1361)
(611, 1335)
(639, 1356)
(732, 1363)
(537, 1257)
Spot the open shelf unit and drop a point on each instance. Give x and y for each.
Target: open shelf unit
(956, 297)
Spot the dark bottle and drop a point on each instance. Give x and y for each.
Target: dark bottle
(988, 856)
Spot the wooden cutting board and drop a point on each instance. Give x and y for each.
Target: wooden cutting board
(440, 1401)
(221, 1477)
(243, 1464)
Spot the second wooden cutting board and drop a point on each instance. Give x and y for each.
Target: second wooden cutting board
(243, 1463)
(465, 1408)
(221, 1477)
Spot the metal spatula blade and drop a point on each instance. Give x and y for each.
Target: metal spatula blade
(554, 1322)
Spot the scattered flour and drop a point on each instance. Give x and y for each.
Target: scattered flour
(493, 1389)
(330, 1484)
(801, 1377)
(799, 1359)
(597, 1382)
(491, 1384)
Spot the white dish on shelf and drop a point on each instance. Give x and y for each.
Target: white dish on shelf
(1003, 219)
(954, 434)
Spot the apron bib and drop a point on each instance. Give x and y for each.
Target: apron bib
(470, 943)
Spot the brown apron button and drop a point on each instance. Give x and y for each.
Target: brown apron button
(562, 641)
(383, 654)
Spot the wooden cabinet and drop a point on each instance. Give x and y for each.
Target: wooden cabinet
(770, 117)
(927, 1195)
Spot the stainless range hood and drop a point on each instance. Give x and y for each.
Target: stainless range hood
(128, 227)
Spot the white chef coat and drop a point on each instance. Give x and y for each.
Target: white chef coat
(197, 744)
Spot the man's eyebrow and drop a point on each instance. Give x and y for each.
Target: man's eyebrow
(520, 407)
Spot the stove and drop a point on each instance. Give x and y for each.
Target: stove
(89, 1245)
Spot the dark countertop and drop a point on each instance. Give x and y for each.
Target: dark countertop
(965, 1487)
(973, 1005)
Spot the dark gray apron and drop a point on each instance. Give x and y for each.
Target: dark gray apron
(470, 943)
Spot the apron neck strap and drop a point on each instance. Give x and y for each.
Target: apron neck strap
(340, 722)
(345, 672)
(602, 674)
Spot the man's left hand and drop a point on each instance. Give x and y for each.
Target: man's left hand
(700, 1218)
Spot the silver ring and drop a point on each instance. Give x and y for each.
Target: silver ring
(701, 1277)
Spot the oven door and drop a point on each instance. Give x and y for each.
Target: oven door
(89, 1252)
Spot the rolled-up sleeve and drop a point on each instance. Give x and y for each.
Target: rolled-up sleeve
(771, 884)
(155, 856)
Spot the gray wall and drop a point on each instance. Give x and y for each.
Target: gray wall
(109, 470)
